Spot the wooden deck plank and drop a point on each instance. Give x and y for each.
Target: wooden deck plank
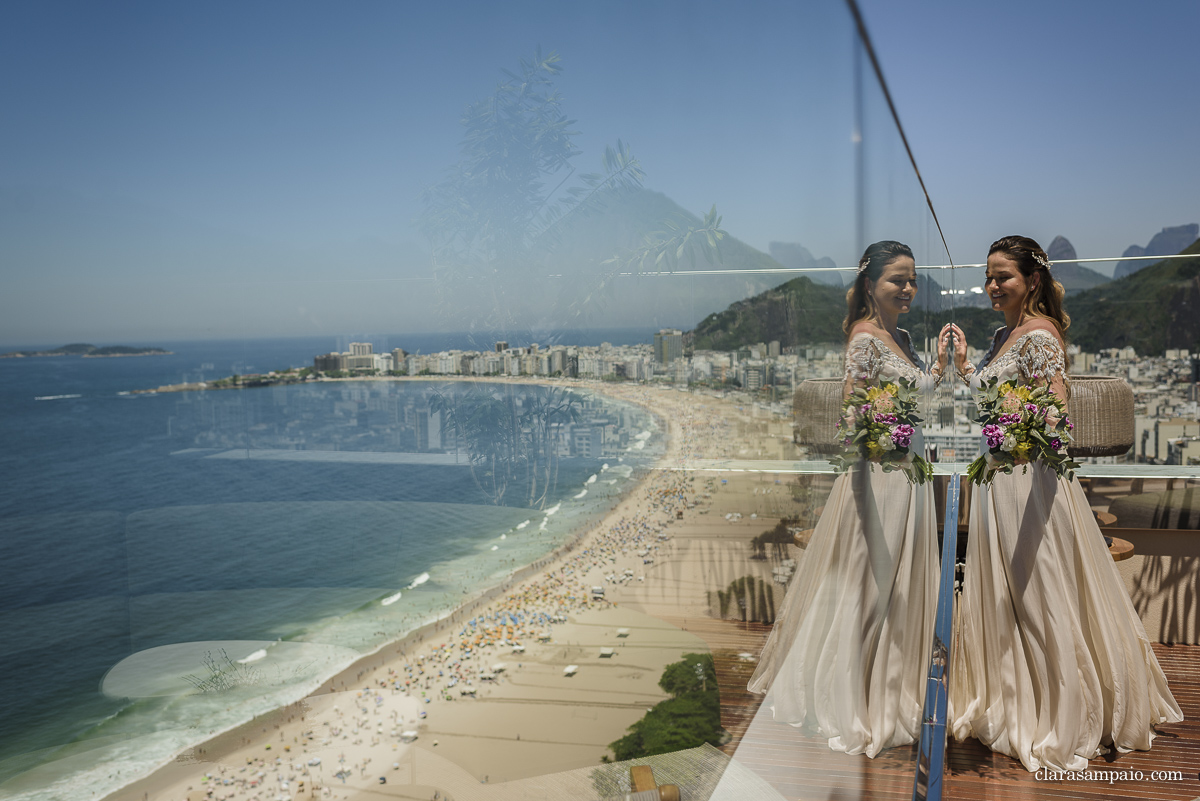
(803, 768)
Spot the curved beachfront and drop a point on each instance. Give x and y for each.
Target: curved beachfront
(532, 597)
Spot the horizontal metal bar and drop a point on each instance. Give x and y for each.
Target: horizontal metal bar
(816, 466)
(802, 270)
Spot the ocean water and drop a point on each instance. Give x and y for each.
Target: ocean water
(177, 563)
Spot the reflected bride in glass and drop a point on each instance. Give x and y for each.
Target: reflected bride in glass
(1052, 664)
(848, 654)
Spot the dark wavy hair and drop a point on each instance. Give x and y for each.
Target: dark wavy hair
(860, 305)
(1046, 299)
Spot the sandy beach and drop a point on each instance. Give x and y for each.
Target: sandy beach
(487, 696)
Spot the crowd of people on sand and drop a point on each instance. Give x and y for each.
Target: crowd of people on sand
(463, 657)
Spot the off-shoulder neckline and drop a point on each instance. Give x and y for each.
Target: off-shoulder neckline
(1017, 341)
(887, 348)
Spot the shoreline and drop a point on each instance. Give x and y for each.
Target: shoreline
(166, 780)
(218, 743)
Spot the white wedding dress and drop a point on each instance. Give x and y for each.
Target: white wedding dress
(1051, 664)
(848, 655)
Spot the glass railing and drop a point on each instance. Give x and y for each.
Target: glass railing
(448, 499)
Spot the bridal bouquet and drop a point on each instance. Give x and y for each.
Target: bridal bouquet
(878, 424)
(1021, 424)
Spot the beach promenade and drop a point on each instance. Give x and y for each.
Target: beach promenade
(540, 675)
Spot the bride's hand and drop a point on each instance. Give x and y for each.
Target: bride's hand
(960, 347)
(942, 346)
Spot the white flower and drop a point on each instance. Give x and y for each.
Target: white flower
(1052, 417)
(885, 442)
(1009, 443)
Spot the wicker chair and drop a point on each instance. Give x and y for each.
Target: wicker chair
(816, 407)
(1101, 408)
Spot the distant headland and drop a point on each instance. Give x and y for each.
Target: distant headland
(87, 351)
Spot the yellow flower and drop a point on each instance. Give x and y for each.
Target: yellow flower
(1022, 450)
(886, 391)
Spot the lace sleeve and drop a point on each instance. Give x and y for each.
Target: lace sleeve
(1040, 358)
(863, 361)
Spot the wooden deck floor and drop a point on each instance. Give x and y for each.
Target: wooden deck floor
(801, 767)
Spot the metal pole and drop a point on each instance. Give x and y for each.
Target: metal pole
(931, 758)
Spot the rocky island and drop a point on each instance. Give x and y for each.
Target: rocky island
(87, 352)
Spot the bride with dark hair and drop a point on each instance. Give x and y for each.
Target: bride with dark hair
(848, 655)
(1052, 665)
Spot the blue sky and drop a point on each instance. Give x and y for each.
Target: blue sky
(196, 170)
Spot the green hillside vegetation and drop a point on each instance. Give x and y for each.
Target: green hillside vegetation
(978, 324)
(1156, 308)
(689, 719)
(799, 312)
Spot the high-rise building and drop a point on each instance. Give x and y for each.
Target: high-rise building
(501, 346)
(668, 345)
(329, 362)
(361, 349)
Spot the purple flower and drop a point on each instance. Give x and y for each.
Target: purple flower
(846, 441)
(1031, 407)
(865, 408)
(994, 435)
(902, 435)
(1056, 443)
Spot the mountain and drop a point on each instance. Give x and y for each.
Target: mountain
(797, 257)
(590, 294)
(1156, 308)
(1166, 242)
(804, 312)
(800, 311)
(1073, 276)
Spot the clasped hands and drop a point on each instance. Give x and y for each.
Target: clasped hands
(961, 366)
